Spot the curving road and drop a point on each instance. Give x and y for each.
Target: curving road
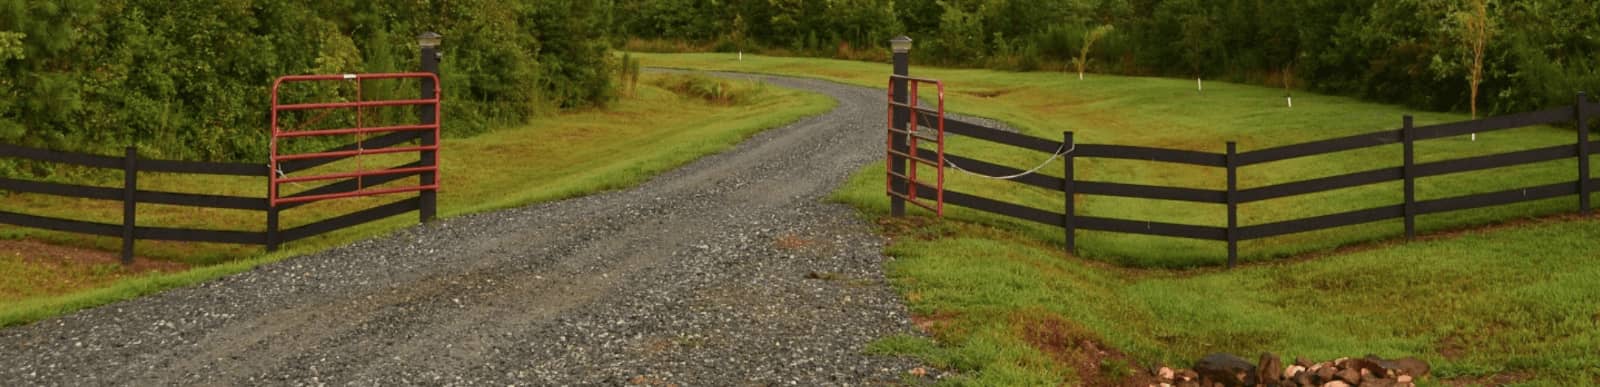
(729, 271)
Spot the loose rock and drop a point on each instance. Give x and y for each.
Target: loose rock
(1413, 366)
(1270, 369)
(1349, 375)
(1227, 369)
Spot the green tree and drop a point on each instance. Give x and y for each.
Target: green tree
(1082, 61)
(1476, 30)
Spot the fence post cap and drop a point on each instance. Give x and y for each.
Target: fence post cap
(429, 39)
(900, 44)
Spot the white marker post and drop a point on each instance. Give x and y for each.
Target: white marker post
(1199, 87)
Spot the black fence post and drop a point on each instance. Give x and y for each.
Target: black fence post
(428, 199)
(1583, 153)
(1408, 137)
(273, 238)
(130, 185)
(901, 117)
(1070, 211)
(1233, 204)
(272, 230)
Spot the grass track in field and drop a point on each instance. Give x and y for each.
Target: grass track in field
(1507, 303)
(550, 159)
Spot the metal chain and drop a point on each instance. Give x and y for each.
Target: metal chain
(1061, 151)
(283, 175)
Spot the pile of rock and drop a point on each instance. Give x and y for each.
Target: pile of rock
(1231, 371)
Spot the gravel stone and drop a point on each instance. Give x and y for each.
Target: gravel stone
(732, 270)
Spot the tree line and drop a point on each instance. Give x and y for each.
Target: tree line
(190, 79)
(1528, 54)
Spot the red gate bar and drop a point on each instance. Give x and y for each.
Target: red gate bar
(327, 105)
(346, 175)
(360, 104)
(358, 152)
(911, 141)
(331, 132)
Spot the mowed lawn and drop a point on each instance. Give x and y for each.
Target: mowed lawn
(1006, 306)
(1505, 305)
(1170, 113)
(552, 158)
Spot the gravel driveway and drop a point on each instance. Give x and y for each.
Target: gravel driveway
(729, 271)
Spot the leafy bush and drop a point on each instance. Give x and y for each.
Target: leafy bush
(189, 79)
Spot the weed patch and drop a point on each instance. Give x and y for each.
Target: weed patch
(712, 90)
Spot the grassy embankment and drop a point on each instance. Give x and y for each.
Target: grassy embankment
(664, 125)
(1007, 306)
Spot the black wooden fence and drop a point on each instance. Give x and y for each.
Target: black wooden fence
(131, 196)
(1233, 196)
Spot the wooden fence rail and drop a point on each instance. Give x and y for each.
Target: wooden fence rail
(1407, 136)
(129, 194)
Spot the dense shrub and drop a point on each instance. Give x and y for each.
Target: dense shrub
(190, 78)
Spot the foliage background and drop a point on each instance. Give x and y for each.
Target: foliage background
(1396, 51)
(189, 79)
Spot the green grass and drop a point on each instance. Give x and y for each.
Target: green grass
(1518, 301)
(1169, 113)
(552, 158)
(1006, 306)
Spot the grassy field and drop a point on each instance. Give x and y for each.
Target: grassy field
(1170, 113)
(552, 158)
(1005, 306)
(1504, 305)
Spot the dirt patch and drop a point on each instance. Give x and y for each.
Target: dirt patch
(935, 324)
(915, 227)
(1499, 379)
(1095, 363)
(37, 269)
(1451, 348)
(986, 93)
(649, 380)
(656, 345)
(40, 253)
(794, 242)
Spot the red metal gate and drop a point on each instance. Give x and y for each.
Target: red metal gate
(912, 134)
(359, 131)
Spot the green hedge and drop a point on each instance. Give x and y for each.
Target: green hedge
(189, 79)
